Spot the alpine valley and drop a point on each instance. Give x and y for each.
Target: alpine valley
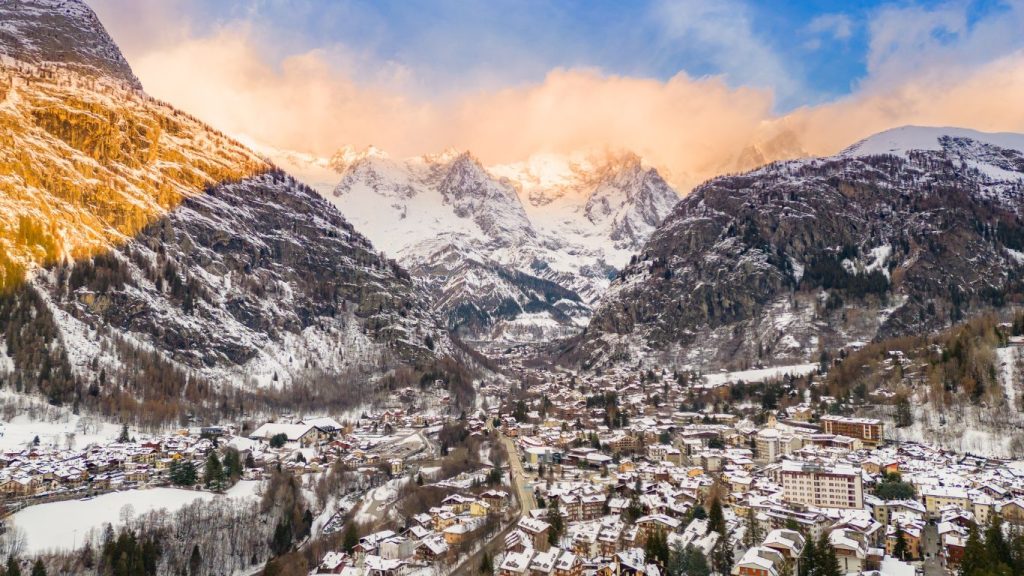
(508, 253)
(225, 356)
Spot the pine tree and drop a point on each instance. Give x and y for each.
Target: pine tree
(716, 518)
(899, 549)
(656, 549)
(786, 568)
(995, 542)
(828, 562)
(752, 537)
(722, 554)
(38, 568)
(635, 509)
(351, 538)
(195, 561)
(213, 476)
(232, 464)
(556, 521)
(808, 564)
(189, 475)
(975, 560)
(486, 564)
(124, 437)
(13, 568)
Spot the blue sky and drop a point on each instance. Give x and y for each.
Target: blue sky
(808, 51)
(689, 85)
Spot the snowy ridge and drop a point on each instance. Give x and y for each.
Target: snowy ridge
(902, 233)
(900, 141)
(568, 220)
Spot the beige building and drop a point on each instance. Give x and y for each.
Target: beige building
(836, 486)
(868, 430)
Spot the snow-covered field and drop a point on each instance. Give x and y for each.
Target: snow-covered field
(73, 432)
(759, 375)
(63, 525)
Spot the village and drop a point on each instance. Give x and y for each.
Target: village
(565, 479)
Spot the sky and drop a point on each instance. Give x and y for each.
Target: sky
(696, 88)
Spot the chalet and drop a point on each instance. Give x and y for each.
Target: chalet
(433, 549)
(759, 561)
(537, 530)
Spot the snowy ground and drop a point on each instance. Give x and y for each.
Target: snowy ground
(377, 502)
(63, 525)
(1008, 358)
(73, 432)
(759, 375)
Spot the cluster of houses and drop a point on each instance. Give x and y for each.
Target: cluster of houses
(40, 472)
(432, 539)
(790, 478)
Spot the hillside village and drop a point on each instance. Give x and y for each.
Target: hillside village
(566, 479)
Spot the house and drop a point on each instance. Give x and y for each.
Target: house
(515, 563)
(1013, 511)
(456, 534)
(655, 523)
(334, 563)
(911, 535)
(537, 530)
(789, 543)
(937, 497)
(851, 549)
(759, 561)
(397, 547)
(480, 508)
(433, 549)
(296, 435)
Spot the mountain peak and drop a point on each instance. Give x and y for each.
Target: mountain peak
(64, 32)
(449, 155)
(349, 155)
(899, 141)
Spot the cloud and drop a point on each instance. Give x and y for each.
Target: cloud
(836, 26)
(723, 33)
(932, 67)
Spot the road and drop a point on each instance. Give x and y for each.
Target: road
(471, 564)
(519, 483)
(930, 548)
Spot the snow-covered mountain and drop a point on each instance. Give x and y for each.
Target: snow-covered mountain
(902, 233)
(64, 32)
(151, 266)
(517, 251)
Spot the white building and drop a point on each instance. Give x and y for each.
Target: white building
(837, 486)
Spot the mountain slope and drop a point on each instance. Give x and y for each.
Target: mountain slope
(64, 32)
(905, 232)
(515, 252)
(152, 266)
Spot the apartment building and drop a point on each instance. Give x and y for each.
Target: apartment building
(836, 486)
(867, 430)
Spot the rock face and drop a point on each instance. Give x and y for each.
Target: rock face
(65, 32)
(251, 281)
(904, 232)
(514, 252)
(148, 260)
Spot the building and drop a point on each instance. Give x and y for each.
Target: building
(938, 497)
(537, 530)
(867, 430)
(836, 486)
(759, 561)
(295, 435)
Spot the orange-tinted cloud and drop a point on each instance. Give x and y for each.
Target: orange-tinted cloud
(693, 128)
